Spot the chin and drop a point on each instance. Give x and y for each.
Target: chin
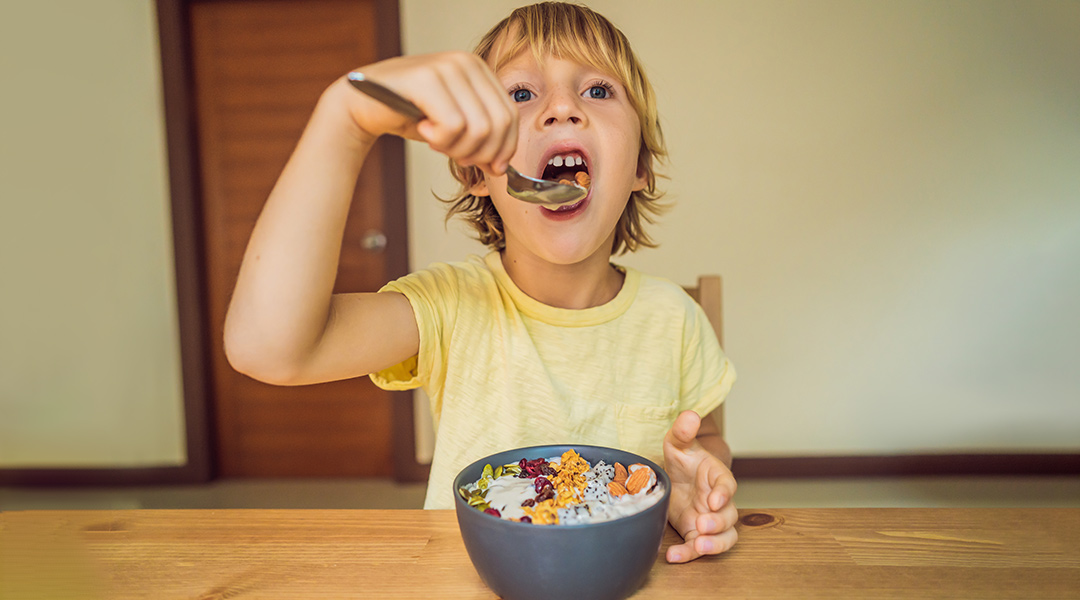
(572, 252)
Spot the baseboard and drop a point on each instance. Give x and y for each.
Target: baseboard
(908, 465)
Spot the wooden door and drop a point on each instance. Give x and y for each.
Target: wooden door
(258, 67)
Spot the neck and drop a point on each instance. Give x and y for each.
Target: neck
(591, 282)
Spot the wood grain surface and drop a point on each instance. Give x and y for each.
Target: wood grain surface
(790, 553)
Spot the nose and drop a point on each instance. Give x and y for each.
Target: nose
(563, 106)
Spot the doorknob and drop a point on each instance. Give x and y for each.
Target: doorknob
(373, 241)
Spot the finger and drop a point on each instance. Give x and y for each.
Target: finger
(478, 122)
(684, 552)
(509, 142)
(695, 546)
(683, 432)
(717, 522)
(445, 121)
(716, 479)
(715, 544)
(501, 142)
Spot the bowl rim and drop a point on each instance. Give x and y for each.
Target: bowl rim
(661, 475)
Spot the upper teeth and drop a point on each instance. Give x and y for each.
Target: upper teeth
(569, 160)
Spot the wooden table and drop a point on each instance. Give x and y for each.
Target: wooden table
(805, 553)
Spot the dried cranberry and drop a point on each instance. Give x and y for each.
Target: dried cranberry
(526, 519)
(522, 463)
(494, 512)
(529, 502)
(547, 470)
(540, 484)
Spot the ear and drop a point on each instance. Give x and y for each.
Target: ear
(481, 187)
(641, 178)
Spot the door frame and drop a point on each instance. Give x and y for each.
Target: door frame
(181, 126)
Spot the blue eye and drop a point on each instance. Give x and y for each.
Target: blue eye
(599, 92)
(521, 95)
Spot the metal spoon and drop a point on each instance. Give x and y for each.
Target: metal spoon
(529, 189)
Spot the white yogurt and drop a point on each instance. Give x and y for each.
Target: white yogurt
(507, 493)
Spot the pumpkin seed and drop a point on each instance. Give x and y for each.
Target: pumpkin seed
(498, 472)
(487, 472)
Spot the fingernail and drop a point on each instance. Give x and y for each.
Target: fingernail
(706, 546)
(710, 524)
(676, 557)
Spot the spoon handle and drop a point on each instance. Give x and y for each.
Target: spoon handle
(387, 96)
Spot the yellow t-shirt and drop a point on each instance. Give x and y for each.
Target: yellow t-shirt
(505, 371)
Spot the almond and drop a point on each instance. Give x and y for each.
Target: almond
(616, 489)
(639, 480)
(620, 474)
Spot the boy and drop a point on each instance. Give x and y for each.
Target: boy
(544, 340)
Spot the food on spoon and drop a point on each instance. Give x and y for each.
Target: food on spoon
(564, 490)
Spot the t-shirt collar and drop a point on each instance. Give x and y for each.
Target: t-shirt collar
(565, 317)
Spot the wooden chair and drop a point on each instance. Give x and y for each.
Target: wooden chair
(709, 294)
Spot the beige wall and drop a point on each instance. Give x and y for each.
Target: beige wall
(891, 191)
(89, 357)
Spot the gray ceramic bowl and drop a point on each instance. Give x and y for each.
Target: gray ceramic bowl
(600, 561)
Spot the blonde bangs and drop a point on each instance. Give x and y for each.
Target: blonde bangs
(555, 30)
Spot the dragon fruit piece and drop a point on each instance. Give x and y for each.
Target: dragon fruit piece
(596, 490)
(601, 471)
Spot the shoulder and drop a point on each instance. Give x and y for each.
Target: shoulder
(668, 301)
(444, 278)
(660, 292)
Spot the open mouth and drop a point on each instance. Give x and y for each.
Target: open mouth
(565, 167)
(569, 167)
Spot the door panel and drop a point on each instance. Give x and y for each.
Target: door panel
(258, 68)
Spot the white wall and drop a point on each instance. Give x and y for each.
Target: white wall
(89, 351)
(891, 191)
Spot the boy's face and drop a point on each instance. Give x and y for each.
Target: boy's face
(568, 112)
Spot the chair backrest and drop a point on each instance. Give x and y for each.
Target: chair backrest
(709, 294)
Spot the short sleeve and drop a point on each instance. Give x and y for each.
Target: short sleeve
(707, 374)
(433, 295)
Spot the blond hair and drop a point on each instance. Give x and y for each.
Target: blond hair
(580, 34)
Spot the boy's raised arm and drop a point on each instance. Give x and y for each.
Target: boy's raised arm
(284, 324)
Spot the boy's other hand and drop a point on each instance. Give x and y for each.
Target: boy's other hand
(470, 117)
(702, 488)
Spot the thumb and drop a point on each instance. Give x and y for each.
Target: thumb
(683, 432)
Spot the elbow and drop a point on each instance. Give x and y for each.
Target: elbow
(258, 361)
